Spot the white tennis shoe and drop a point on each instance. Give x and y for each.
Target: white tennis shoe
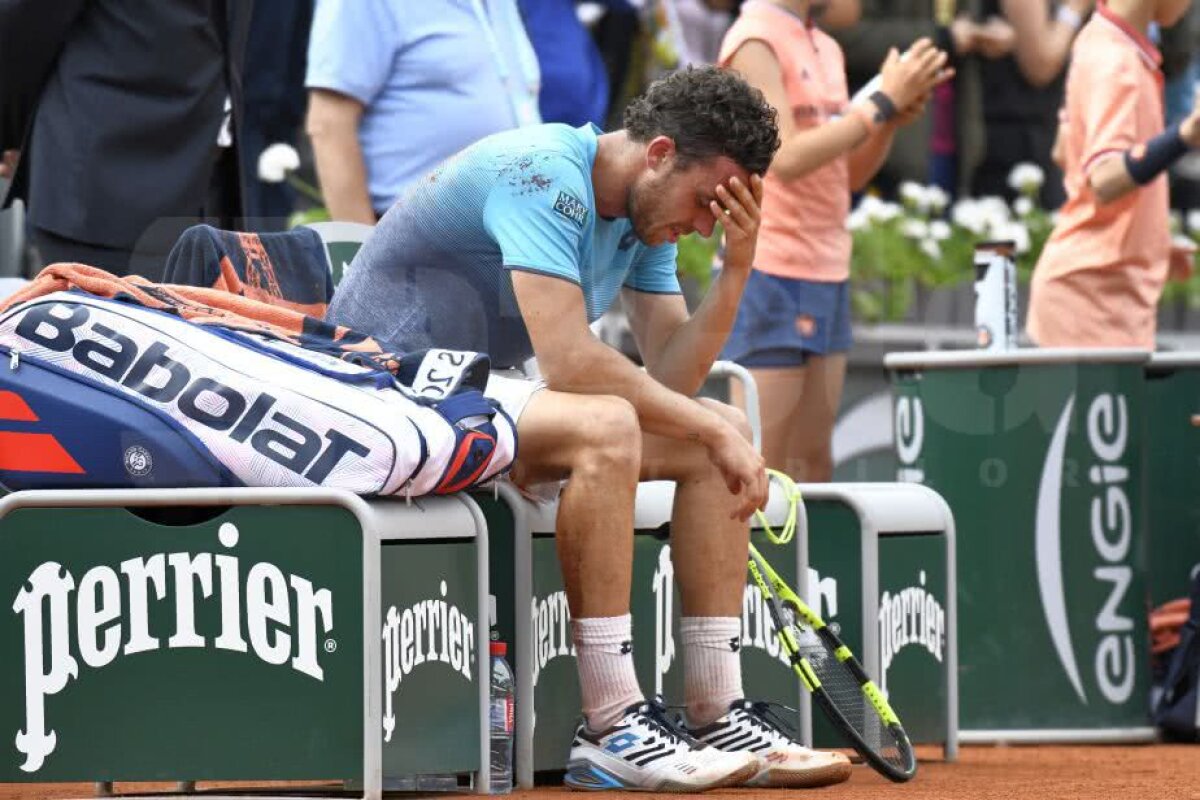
(782, 761)
(644, 751)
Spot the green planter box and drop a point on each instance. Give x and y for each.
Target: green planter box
(1039, 455)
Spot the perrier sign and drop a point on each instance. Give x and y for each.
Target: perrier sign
(135, 651)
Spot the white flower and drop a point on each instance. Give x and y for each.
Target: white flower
(939, 230)
(996, 214)
(931, 248)
(966, 213)
(857, 220)
(1023, 206)
(1014, 232)
(913, 195)
(1175, 220)
(1026, 178)
(915, 228)
(1193, 220)
(276, 162)
(877, 210)
(937, 198)
(868, 202)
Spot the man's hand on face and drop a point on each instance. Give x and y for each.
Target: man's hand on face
(738, 209)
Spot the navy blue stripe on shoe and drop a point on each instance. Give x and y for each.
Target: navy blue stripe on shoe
(650, 756)
(737, 740)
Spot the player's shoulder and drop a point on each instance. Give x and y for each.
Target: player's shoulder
(546, 166)
(1103, 51)
(547, 153)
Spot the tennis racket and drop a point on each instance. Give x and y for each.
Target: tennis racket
(827, 668)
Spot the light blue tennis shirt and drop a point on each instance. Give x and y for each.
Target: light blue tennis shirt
(435, 273)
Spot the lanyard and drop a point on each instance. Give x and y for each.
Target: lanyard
(522, 94)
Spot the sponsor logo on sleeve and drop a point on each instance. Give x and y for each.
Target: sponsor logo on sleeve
(571, 207)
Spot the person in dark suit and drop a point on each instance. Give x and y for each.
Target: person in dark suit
(119, 113)
(275, 101)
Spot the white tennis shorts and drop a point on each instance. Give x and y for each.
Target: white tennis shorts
(512, 389)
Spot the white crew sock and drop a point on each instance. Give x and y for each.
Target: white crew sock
(607, 680)
(712, 666)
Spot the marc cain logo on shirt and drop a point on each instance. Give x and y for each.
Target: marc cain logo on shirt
(571, 207)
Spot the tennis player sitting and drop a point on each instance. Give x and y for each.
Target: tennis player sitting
(513, 247)
(1101, 273)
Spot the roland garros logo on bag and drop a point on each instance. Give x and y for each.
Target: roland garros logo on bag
(69, 618)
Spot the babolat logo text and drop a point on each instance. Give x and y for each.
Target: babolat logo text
(285, 617)
(911, 616)
(149, 370)
(1112, 530)
(429, 632)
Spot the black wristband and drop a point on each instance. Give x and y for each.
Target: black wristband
(1145, 162)
(887, 109)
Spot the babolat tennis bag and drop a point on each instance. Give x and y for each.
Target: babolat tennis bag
(105, 393)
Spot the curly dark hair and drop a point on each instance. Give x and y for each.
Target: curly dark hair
(708, 112)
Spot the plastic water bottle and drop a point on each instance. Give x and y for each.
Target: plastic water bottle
(501, 738)
(995, 296)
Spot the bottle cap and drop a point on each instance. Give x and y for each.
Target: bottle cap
(498, 648)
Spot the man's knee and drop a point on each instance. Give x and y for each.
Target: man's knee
(610, 435)
(731, 414)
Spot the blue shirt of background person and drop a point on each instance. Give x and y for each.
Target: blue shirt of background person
(433, 76)
(435, 273)
(574, 78)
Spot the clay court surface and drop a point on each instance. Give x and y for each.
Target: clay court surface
(1152, 772)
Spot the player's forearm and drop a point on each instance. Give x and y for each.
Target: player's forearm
(1121, 173)
(866, 159)
(342, 172)
(595, 368)
(808, 150)
(689, 354)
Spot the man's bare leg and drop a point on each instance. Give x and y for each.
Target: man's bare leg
(594, 441)
(709, 550)
(810, 443)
